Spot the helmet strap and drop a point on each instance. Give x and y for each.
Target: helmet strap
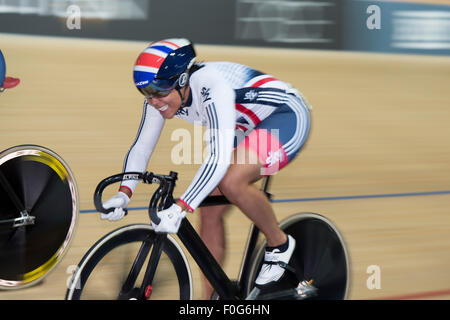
(182, 97)
(182, 83)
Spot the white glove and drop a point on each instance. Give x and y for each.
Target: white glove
(119, 202)
(170, 219)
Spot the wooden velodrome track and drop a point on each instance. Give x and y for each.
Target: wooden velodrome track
(381, 127)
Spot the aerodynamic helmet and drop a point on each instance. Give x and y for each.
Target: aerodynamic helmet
(163, 66)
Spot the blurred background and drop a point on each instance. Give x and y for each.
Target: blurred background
(413, 26)
(377, 74)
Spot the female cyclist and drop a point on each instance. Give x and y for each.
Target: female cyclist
(256, 124)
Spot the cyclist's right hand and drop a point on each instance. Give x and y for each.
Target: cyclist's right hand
(119, 202)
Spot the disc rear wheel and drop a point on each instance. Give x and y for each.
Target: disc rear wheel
(38, 214)
(320, 256)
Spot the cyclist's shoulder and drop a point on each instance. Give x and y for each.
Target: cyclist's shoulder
(205, 71)
(208, 75)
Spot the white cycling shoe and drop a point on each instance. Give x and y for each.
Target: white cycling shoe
(275, 264)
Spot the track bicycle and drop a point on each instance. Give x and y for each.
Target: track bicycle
(38, 214)
(134, 262)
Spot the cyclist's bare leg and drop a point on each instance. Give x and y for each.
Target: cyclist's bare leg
(213, 235)
(238, 186)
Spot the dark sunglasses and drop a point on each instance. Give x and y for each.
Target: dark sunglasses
(150, 92)
(160, 87)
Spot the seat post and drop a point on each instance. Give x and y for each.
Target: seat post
(265, 184)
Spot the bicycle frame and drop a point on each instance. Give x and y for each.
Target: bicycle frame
(224, 287)
(161, 199)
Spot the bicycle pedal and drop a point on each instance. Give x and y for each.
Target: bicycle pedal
(306, 290)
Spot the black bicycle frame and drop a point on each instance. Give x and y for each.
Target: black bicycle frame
(224, 287)
(162, 199)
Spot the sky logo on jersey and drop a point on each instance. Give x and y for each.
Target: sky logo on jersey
(150, 60)
(205, 94)
(251, 95)
(274, 157)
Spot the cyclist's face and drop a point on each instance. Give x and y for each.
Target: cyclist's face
(167, 105)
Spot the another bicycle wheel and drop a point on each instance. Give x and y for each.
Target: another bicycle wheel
(123, 254)
(320, 256)
(38, 214)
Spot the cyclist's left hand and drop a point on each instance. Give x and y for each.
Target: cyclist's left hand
(170, 219)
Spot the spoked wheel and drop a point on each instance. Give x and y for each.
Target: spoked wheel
(38, 214)
(114, 268)
(320, 258)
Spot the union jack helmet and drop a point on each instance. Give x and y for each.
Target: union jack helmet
(163, 66)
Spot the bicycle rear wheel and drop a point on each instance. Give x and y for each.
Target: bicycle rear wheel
(104, 269)
(38, 214)
(320, 255)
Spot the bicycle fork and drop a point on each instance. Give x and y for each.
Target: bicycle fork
(128, 290)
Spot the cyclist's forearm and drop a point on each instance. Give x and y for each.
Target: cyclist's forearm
(137, 158)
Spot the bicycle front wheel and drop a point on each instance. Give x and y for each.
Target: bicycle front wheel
(123, 254)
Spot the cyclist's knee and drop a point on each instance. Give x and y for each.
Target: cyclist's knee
(231, 185)
(238, 177)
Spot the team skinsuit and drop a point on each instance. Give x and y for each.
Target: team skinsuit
(237, 104)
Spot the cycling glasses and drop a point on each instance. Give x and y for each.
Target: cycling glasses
(150, 92)
(160, 88)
